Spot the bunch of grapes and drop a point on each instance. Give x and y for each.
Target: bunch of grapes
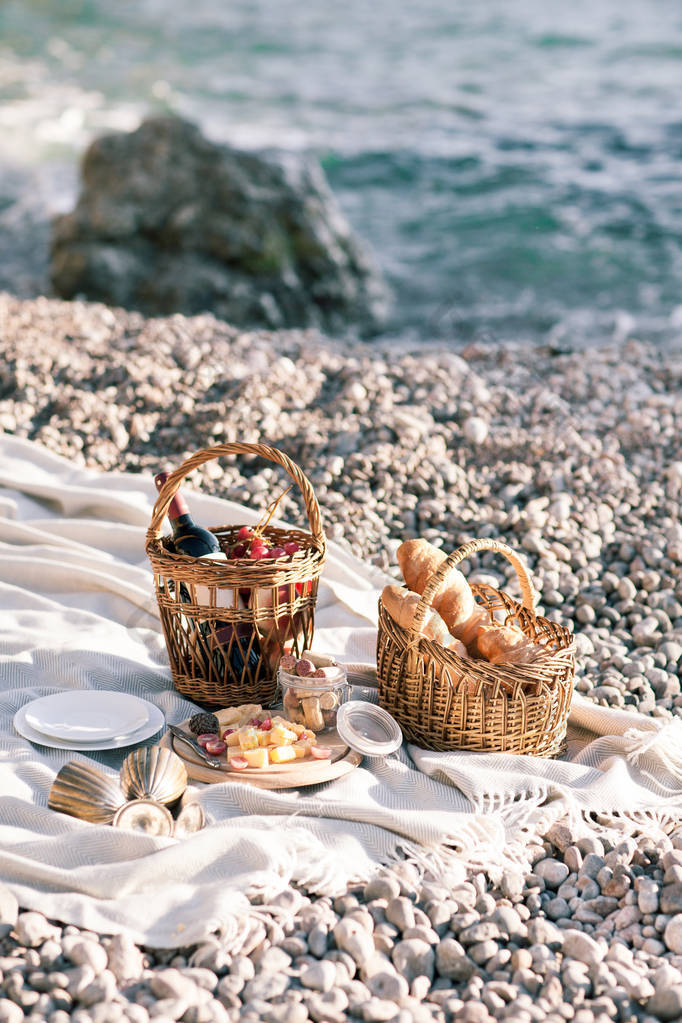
(250, 544)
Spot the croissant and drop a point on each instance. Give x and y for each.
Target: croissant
(503, 644)
(401, 605)
(454, 600)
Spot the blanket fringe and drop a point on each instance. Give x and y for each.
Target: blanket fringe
(661, 746)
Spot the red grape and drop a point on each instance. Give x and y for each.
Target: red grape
(266, 725)
(207, 737)
(239, 550)
(238, 763)
(215, 746)
(291, 547)
(258, 552)
(245, 533)
(277, 552)
(320, 752)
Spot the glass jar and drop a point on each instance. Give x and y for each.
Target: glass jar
(314, 702)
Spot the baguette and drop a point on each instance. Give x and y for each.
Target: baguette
(453, 600)
(401, 605)
(503, 644)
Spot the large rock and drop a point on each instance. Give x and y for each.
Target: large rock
(168, 221)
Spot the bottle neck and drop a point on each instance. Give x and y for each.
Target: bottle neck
(178, 511)
(181, 521)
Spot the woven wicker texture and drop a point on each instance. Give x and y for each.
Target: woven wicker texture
(227, 623)
(446, 702)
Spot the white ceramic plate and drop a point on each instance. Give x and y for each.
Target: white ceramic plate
(154, 723)
(87, 715)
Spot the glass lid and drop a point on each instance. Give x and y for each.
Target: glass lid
(368, 729)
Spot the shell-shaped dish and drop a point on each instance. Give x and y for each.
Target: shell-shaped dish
(144, 815)
(82, 791)
(153, 773)
(190, 820)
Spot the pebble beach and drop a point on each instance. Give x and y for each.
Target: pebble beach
(573, 458)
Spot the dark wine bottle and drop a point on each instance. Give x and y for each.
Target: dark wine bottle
(235, 649)
(231, 649)
(188, 537)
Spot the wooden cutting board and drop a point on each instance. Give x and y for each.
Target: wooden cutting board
(292, 775)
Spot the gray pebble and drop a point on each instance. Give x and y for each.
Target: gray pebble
(241, 966)
(320, 976)
(32, 929)
(135, 1013)
(273, 960)
(212, 955)
(672, 935)
(78, 979)
(382, 887)
(580, 946)
(329, 1006)
(357, 994)
(552, 872)
(352, 937)
(10, 1012)
(318, 940)
(666, 1003)
(266, 986)
(414, 958)
(101, 989)
(168, 1008)
(172, 983)
(389, 986)
(400, 911)
(286, 1012)
(85, 953)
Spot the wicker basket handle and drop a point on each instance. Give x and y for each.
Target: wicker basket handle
(528, 594)
(172, 484)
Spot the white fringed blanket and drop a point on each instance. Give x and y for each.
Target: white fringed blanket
(78, 612)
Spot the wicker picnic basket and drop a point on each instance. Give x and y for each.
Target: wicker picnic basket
(445, 702)
(227, 623)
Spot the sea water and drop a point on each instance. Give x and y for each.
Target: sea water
(514, 166)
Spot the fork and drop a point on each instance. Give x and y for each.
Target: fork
(194, 745)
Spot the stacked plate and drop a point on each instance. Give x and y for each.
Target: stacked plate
(88, 719)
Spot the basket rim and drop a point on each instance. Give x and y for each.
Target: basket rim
(521, 676)
(233, 570)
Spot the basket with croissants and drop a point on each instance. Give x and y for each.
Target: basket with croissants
(467, 667)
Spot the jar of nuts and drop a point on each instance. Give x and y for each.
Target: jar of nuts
(312, 695)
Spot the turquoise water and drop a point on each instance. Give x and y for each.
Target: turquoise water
(515, 167)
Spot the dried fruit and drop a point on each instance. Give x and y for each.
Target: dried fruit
(288, 662)
(203, 722)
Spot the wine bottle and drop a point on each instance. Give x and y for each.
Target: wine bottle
(221, 643)
(188, 537)
(235, 649)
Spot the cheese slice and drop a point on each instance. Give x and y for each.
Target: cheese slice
(280, 754)
(257, 757)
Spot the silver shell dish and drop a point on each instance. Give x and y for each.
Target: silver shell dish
(190, 820)
(153, 773)
(82, 791)
(144, 815)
